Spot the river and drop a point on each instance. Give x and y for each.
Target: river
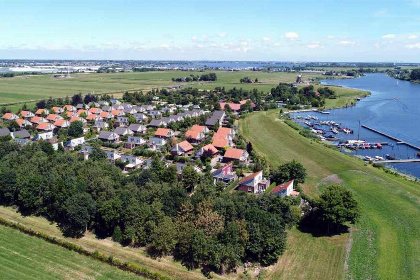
(392, 108)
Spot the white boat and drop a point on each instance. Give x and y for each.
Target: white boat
(325, 112)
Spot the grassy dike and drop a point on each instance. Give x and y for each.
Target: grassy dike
(385, 244)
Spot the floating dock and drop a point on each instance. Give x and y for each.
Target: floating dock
(399, 141)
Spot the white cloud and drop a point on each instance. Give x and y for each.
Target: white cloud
(413, 46)
(313, 45)
(412, 37)
(347, 43)
(244, 43)
(223, 35)
(164, 46)
(277, 44)
(377, 45)
(330, 37)
(291, 36)
(205, 36)
(194, 38)
(388, 36)
(266, 38)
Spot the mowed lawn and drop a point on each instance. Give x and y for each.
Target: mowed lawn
(26, 257)
(385, 244)
(27, 88)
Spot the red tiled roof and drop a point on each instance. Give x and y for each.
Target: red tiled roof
(7, 116)
(233, 106)
(39, 111)
(210, 148)
(52, 117)
(219, 136)
(75, 119)
(43, 125)
(281, 187)
(224, 131)
(69, 114)
(91, 117)
(60, 123)
(162, 132)
(198, 128)
(35, 119)
(94, 110)
(233, 153)
(20, 122)
(81, 111)
(192, 134)
(24, 113)
(249, 177)
(104, 114)
(115, 112)
(68, 107)
(219, 142)
(186, 146)
(55, 109)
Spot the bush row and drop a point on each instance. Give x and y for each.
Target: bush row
(126, 266)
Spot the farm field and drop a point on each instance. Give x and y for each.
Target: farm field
(164, 266)
(26, 89)
(385, 243)
(30, 88)
(26, 257)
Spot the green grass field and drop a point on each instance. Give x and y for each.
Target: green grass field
(138, 256)
(27, 89)
(26, 257)
(385, 244)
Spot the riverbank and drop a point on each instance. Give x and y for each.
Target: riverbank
(385, 245)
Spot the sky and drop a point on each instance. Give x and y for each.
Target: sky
(282, 30)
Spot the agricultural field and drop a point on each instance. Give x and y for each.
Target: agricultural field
(31, 88)
(383, 245)
(165, 266)
(27, 89)
(26, 257)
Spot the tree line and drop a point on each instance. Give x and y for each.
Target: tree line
(192, 78)
(211, 230)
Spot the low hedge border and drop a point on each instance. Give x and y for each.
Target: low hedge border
(126, 266)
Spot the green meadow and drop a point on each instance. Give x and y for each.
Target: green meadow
(27, 88)
(26, 257)
(384, 244)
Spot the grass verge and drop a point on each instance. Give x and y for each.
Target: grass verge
(390, 208)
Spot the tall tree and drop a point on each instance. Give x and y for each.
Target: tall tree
(75, 129)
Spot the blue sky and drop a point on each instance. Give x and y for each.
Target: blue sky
(322, 30)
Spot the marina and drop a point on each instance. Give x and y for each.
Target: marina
(382, 127)
(400, 142)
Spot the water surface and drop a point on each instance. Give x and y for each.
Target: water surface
(393, 108)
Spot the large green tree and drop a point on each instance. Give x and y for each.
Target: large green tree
(189, 177)
(290, 171)
(336, 207)
(78, 210)
(75, 129)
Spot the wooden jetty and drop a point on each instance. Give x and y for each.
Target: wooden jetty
(399, 141)
(398, 160)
